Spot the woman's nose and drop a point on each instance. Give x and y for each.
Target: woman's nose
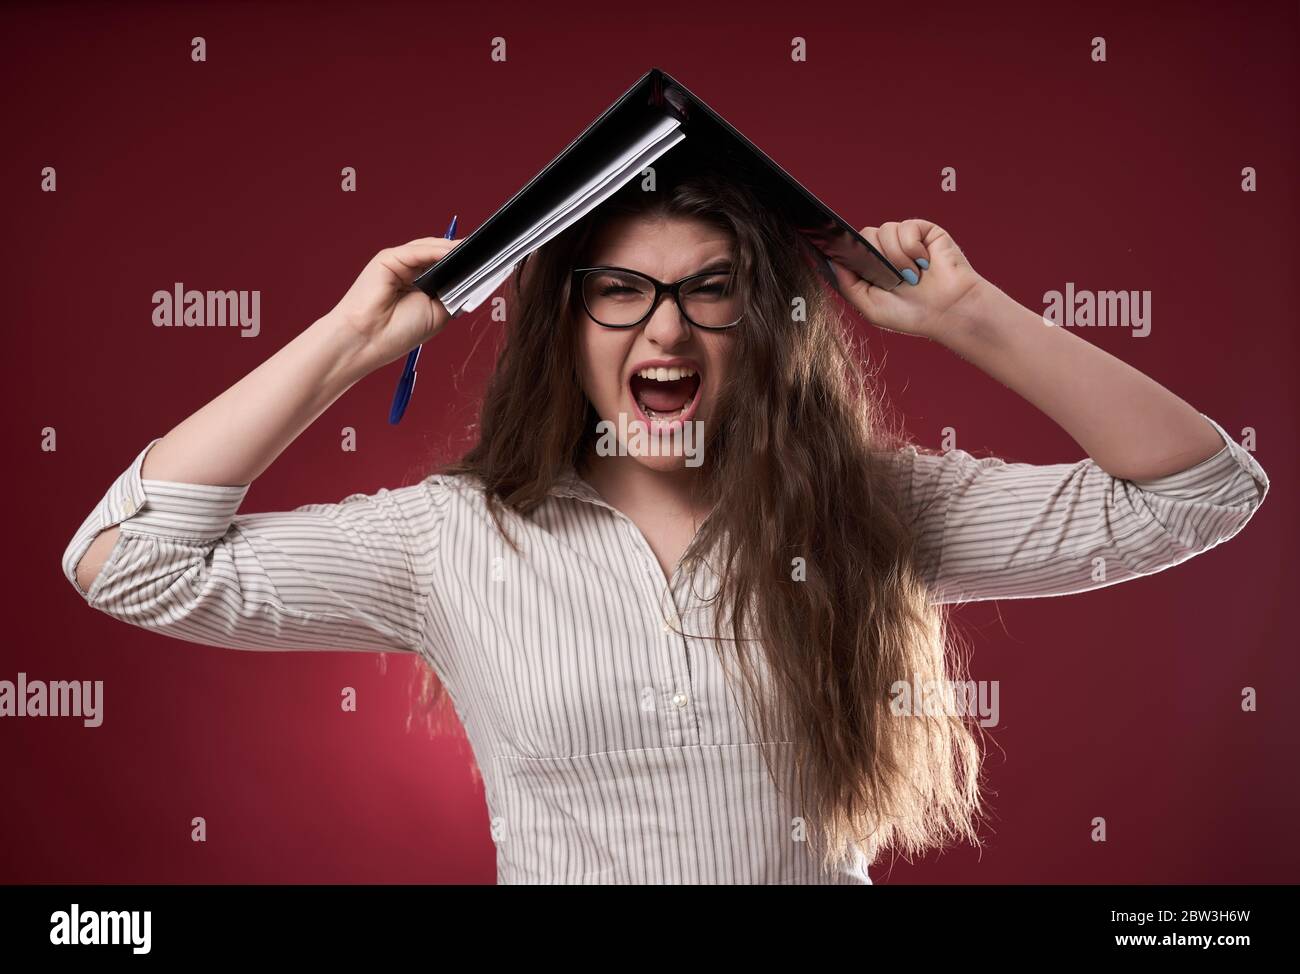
(666, 327)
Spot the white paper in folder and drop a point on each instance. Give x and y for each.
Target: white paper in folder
(469, 293)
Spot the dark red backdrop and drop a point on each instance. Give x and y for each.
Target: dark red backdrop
(1122, 703)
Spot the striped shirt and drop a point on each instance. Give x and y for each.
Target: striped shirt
(612, 746)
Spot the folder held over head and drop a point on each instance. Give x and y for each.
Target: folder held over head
(650, 118)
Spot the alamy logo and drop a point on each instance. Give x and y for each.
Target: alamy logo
(950, 698)
(131, 927)
(208, 309)
(1100, 309)
(57, 698)
(639, 440)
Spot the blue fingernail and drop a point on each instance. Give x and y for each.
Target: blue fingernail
(909, 275)
(922, 263)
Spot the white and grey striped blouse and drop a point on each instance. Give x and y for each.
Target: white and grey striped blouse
(611, 745)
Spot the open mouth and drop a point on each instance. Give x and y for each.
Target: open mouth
(665, 395)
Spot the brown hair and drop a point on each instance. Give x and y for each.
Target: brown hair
(800, 465)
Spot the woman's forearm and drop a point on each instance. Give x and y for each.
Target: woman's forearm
(231, 440)
(237, 435)
(1133, 427)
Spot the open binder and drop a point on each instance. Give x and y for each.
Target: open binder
(650, 118)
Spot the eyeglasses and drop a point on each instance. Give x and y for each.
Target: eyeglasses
(616, 297)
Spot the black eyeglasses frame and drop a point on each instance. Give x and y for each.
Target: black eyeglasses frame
(660, 289)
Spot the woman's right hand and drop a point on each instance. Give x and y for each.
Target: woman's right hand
(389, 315)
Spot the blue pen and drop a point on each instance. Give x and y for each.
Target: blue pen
(407, 382)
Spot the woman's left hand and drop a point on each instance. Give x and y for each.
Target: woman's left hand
(945, 290)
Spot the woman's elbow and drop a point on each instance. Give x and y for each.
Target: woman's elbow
(92, 562)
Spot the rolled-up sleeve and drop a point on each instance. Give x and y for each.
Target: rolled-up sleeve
(988, 529)
(352, 575)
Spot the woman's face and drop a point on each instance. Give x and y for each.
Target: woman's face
(615, 364)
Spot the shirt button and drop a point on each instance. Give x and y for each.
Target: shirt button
(667, 626)
(679, 700)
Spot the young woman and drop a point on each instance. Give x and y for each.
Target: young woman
(677, 668)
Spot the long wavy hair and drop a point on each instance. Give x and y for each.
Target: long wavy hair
(819, 593)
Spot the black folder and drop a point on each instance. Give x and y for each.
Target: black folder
(647, 121)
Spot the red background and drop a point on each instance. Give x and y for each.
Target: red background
(1122, 703)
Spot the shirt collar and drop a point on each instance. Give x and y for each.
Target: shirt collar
(569, 484)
